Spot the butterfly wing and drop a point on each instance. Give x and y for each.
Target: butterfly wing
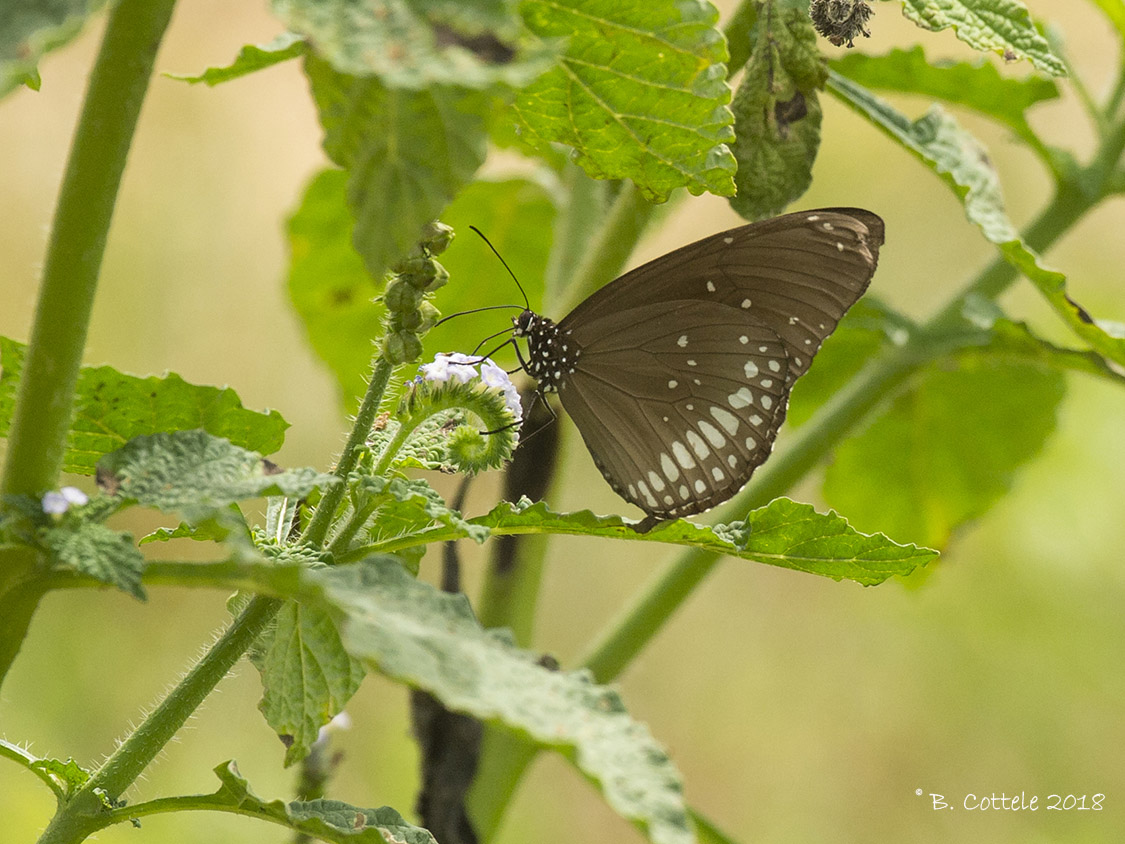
(678, 401)
(797, 274)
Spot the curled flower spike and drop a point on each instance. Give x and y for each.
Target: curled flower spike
(495, 376)
(56, 503)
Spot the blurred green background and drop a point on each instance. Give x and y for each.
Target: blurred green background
(798, 709)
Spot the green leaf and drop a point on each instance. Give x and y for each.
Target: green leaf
(777, 113)
(328, 820)
(416, 43)
(978, 86)
(639, 92)
(93, 549)
(112, 408)
(213, 529)
(307, 676)
(946, 449)
(938, 140)
(192, 470)
(251, 59)
(408, 507)
(1106, 338)
(407, 154)
(1115, 11)
(330, 288)
(783, 533)
(31, 28)
(431, 640)
(1000, 26)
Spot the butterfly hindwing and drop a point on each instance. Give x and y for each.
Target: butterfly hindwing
(679, 410)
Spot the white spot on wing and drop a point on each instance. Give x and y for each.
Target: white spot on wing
(656, 481)
(767, 402)
(712, 433)
(700, 486)
(725, 418)
(669, 468)
(697, 445)
(751, 368)
(673, 384)
(717, 473)
(746, 303)
(682, 341)
(743, 398)
(728, 240)
(682, 456)
(743, 339)
(774, 366)
(710, 287)
(756, 421)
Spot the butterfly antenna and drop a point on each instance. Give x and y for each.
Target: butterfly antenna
(526, 303)
(474, 311)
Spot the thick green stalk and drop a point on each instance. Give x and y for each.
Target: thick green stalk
(85, 813)
(44, 405)
(78, 236)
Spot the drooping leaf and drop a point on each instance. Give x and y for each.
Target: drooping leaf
(999, 26)
(68, 775)
(326, 820)
(250, 59)
(947, 448)
(307, 676)
(431, 640)
(93, 549)
(777, 113)
(938, 140)
(192, 470)
(407, 154)
(978, 86)
(29, 29)
(639, 92)
(419, 43)
(112, 408)
(783, 533)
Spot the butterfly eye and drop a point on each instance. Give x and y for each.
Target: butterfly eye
(678, 374)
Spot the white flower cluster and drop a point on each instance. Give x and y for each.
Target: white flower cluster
(461, 369)
(58, 502)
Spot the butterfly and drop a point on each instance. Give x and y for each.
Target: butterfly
(677, 374)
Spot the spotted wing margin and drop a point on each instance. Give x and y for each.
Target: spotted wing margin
(678, 402)
(798, 274)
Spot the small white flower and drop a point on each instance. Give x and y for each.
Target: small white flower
(55, 504)
(74, 495)
(512, 400)
(494, 376)
(446, 366)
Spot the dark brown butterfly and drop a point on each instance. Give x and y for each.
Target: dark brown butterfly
(678, 373)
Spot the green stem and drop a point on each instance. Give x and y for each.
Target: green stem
(105, 129)
(576, 225)
(85, 813)
(317, 529)
(41, 419)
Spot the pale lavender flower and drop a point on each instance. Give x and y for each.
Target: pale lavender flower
(58, 502)
(456, 366)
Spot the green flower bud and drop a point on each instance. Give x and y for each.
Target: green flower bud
(436, 236)
(405, 320)
(402, 347)
(401, 296)
(429, 315)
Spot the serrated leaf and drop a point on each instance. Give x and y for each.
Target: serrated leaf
(954, 154)
(430, 639)
(307, 676)
(777, 113)
(93, 549)
(418, 43)
(112, 408)
(1106, 338)
(29, 29)
(328, 820)
(407, 154)
(783, 533)
(946, 449)
(639, 92)
(999, 26)
(978, 86)
(250, 59)
(202, 530)
(329, 286)
(192, 470)
(407, 507)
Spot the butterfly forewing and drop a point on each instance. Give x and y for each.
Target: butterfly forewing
(681, 408)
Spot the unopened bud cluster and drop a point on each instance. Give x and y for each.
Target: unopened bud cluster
(409, 312)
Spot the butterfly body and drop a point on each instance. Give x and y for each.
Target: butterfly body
(678, 373)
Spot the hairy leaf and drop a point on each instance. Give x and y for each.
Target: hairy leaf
(777, 113)
(93, 549)
(29, 29)
(188, 470)
(326, 820)
(431, 640)
(999, 26)
(112, 408)
(639, 92)
(250, 59)
(407, 154)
